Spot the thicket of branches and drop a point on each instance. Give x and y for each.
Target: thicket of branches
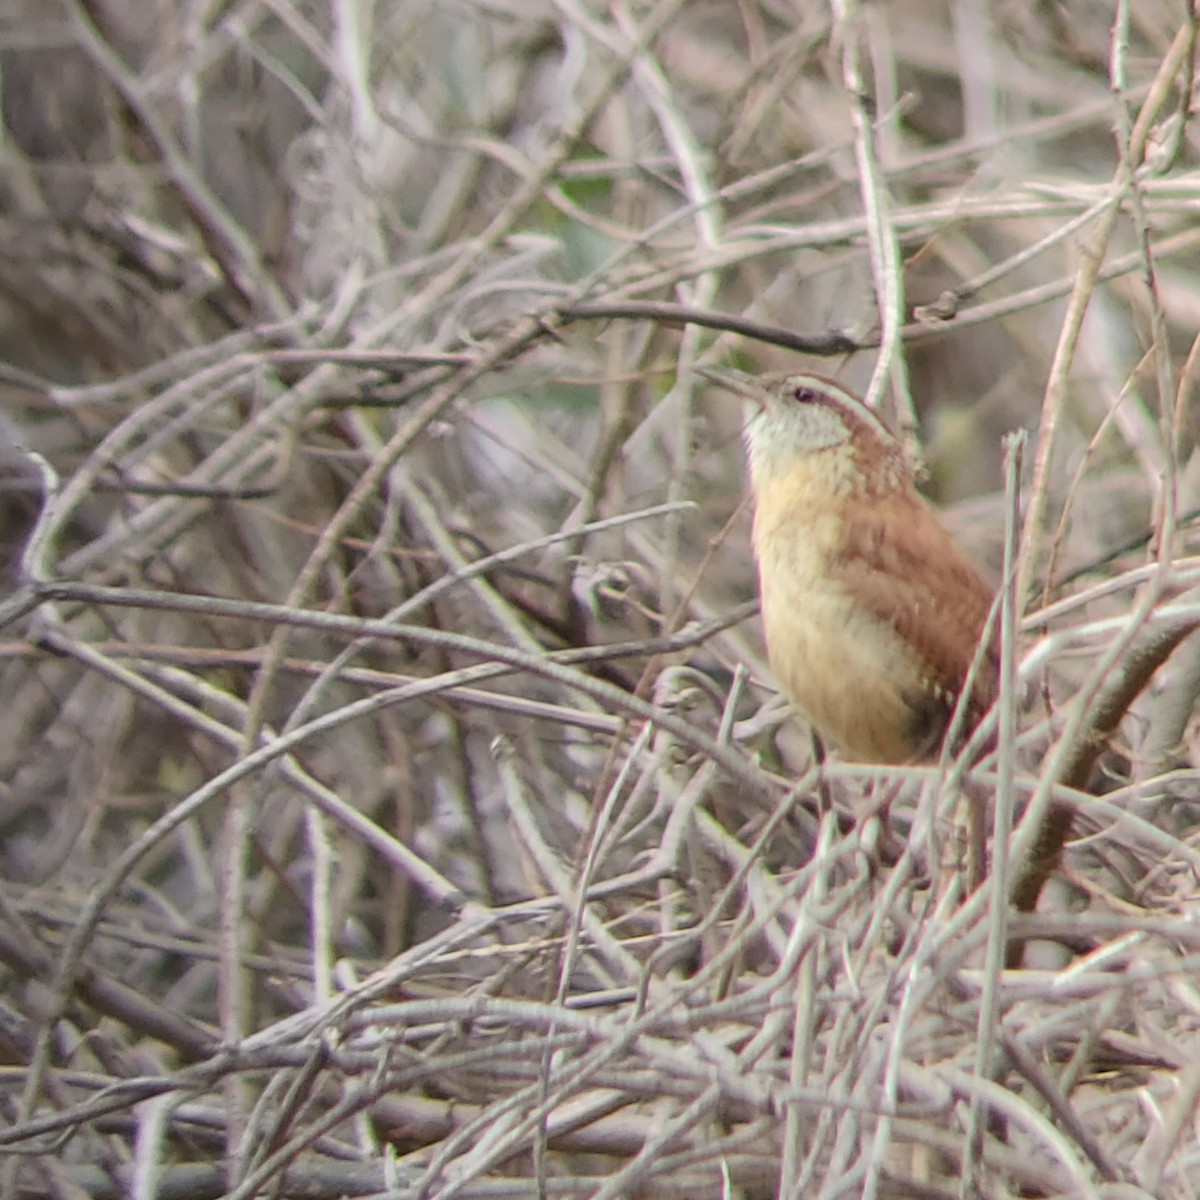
(395, 798)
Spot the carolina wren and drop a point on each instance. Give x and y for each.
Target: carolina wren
(872, 615)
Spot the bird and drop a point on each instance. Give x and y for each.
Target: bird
(872, 615)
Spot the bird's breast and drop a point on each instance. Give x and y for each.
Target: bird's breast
(850, 674)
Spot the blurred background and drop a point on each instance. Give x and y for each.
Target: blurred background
(388, 312)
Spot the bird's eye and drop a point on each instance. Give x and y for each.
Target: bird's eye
(804, 394)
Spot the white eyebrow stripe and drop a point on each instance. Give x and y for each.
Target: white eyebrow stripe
(848, 400)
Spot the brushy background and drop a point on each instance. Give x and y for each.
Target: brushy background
(361, 504)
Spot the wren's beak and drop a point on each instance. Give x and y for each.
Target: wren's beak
(739, 383)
